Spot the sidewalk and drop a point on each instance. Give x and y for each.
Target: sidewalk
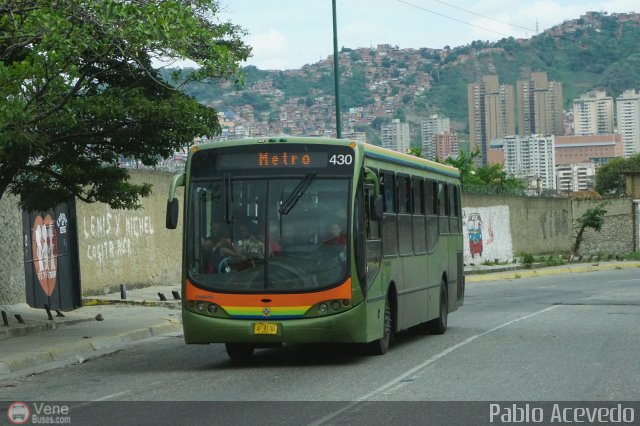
(105, 324)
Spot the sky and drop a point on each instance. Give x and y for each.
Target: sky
(287, 34)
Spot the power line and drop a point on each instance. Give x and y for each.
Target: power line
(453, 19)
(486, 17)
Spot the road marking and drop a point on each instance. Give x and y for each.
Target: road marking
(113, 395)
(623, 281)
(425, 364)
(104, 398)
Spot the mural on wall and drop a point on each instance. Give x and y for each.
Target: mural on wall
(44, 244)
(487, 234)
(114, 235)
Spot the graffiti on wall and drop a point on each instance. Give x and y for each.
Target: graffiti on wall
(487, 234)
(44, 244)
(114, 235)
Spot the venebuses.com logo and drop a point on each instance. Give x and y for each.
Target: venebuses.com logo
(18, 413)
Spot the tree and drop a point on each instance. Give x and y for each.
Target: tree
(610, 178)
(592, 218)
(80, 92)
(464, 163)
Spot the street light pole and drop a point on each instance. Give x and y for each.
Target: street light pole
(336, 73)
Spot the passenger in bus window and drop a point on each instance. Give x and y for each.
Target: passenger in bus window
(248, 244)
(335, 235)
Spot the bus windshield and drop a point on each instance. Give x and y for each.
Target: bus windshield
(268, 234)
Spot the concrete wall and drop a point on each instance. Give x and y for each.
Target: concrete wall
(12, 284)
(616, 235)
(135, 249)
(546, 226)
(535, 225)
(129, 247)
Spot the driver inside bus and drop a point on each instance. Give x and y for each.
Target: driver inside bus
(335, 235)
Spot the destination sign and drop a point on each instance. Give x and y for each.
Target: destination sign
(273, 160)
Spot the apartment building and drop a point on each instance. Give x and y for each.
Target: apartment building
(491, 109)
(395, 136)
(628, 119)
(575, 177)
(432, 129)
(540, 106)
(593, 114)
(446, 145)
(587, 149)
(532, 158)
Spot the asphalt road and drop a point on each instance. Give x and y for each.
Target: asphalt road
(558, 338)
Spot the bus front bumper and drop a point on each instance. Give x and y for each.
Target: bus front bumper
(345, 327)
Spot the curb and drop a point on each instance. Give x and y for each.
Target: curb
(99, 302)
(32, 328)
(77, 352)
(528, 273)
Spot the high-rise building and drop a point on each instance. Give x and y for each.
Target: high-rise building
(531, 157)
(575, 177)
(628, 119)
(395, 136)
(446, 145)
(491, 113)
(540, 106)
(593, 114)
(430, 129)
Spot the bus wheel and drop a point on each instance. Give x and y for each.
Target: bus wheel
(439, 325)
(239, 350)
(381, 346)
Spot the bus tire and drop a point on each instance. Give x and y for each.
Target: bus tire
(381, 345)
(439, 325)
(239, 350)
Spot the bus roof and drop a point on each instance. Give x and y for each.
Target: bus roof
(371, 151)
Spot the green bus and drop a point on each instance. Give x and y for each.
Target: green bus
(310, 240)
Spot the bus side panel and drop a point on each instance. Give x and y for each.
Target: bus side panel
(415, 294)
(455, 248)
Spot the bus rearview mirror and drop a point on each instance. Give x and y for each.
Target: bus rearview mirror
(172, 213)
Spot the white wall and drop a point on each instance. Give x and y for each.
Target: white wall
(493, 241)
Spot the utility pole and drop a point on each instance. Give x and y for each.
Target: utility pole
(336, 73)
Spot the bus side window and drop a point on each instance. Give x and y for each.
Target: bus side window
(405, 231)
(443, 208)
(431, 204)
(418, 207)
(389, 222)
(387, 187)
(453, 210)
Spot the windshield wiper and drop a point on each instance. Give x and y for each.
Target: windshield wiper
(297, 192)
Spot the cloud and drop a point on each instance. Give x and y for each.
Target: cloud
(269, 49)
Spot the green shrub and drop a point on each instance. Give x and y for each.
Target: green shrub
(634, 255)
(527, 258)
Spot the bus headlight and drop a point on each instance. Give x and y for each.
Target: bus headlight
(323, 308)
(212, 309)
(335, 305)
(200, 306)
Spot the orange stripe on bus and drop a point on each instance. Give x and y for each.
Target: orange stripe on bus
(343, 291)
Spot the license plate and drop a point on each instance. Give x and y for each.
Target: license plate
(265, 328)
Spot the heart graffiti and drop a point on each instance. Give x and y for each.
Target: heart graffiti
(44, 239)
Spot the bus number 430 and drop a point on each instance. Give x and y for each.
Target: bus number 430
(341, 159)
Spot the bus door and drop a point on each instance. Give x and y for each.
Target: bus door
(374, 242)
